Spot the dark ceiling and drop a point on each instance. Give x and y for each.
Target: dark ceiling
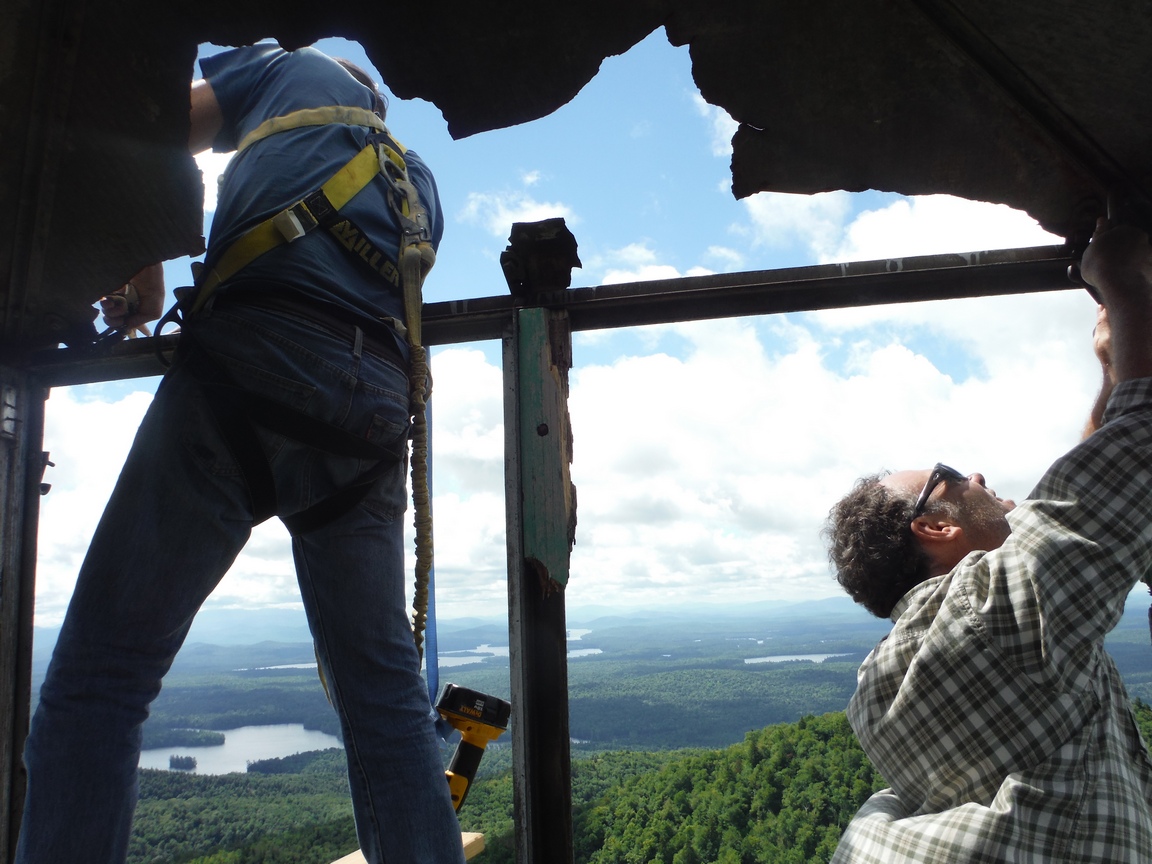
(1039, 104)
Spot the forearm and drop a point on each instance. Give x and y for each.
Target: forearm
(139, 300)
(1119, 264)
(1085, 533)
(1096, 416)
(205, 117)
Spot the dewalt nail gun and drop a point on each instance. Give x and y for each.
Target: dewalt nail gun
(480, 719)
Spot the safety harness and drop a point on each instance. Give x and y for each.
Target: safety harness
(238, 412)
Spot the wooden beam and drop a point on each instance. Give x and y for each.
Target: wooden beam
(473, 846)
(540, 518)
(21, 470)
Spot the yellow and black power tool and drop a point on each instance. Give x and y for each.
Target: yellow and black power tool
(480, 719)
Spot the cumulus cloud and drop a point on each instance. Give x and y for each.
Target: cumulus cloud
(705, 460)
(496, 211)
(468, 466)
(638, 262)
(707, 476)
(779, 220)
(211, 166)
(704, 464)
(721, 123)
(87, 439)
(728, 258)
(934, 224)
(998, 331)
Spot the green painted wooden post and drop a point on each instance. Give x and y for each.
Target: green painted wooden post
(545, 349)
(541, 507)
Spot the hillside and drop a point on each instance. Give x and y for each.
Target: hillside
(786, 790)
(781, 796)
(687, 740)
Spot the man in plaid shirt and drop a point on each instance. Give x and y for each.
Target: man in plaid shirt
(992, 708)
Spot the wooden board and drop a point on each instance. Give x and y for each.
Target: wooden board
(473, 846)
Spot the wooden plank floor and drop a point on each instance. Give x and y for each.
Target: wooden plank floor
(473, 846)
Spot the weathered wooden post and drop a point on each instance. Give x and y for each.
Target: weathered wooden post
(21, 470)
(541, 519)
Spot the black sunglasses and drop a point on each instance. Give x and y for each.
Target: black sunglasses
(941, 473)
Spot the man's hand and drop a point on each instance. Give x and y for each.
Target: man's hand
(1118, 262)
(138, 301)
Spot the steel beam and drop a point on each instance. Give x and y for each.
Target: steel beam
(721, 295)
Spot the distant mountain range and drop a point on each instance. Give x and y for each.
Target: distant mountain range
(224, 627)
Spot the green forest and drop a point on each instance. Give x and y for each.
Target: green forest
(686, 748)
(781, 796)
(784, 794)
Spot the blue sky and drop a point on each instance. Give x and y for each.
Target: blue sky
(706, 454)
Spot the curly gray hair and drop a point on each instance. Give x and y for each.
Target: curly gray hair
(871, 546)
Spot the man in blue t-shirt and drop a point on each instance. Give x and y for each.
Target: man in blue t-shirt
(288, 397)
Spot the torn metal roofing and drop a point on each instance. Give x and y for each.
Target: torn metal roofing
(1039, 104)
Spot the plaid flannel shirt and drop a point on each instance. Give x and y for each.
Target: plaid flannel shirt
(992, 708)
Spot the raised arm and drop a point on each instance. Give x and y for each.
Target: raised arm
(1118, 263)
(205, 116)
(141, 299)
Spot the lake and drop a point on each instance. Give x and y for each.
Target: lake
(784, 658)
(244, 745)
(448, 659)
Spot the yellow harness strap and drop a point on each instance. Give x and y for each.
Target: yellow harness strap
(341, 114)
(285, 226)
(415, 258)
(340, 189)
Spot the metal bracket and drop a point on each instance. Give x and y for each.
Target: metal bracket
(9, 418)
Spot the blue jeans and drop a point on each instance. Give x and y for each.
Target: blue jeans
(176, 521)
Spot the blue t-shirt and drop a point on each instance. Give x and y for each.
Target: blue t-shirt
(255, 83)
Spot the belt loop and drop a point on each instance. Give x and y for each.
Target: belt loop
(358, 345)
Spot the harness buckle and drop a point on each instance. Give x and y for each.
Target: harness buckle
(294, 222)
(319, 207)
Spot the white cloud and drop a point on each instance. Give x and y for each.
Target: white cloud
(644, 273)
(935, 224)
(722, 125)
(496, 211)
(468, 465)
(996, 330)
(704, 465)
(780, 219)
(211, 166)
(730, 259)
(88, 441)
(637, 262)
(707, 477)
(702, 475)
